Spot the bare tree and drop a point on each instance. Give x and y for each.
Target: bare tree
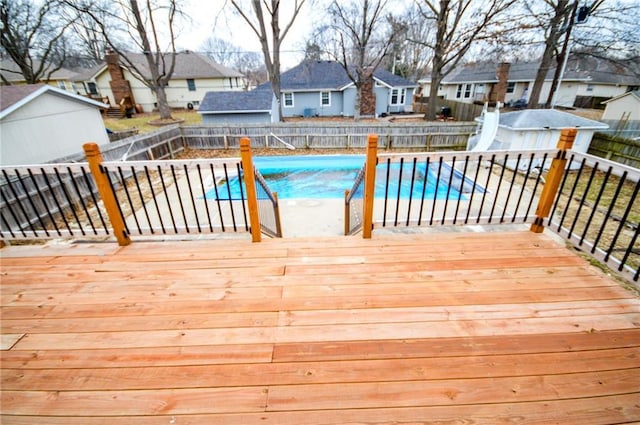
(33, 38)
(458, 25)
(221, 51)
(359, 36)
(558, 16)
(257, 14)
(415, 57)
(612, 32)
(147, 27)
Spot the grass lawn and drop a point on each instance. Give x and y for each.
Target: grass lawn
(140, 121)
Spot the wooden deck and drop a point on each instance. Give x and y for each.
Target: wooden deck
(489, 328)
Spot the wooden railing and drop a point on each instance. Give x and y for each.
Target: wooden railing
(589, 201)
(136, 198)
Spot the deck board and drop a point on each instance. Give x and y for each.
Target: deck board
(485, 327)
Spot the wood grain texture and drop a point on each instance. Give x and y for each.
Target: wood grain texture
(482, 328)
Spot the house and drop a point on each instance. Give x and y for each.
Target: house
(62, 78)
(624, 107)
(586, 82)
(323, 88)
(194, 75)
(315, 88)
(40, 123)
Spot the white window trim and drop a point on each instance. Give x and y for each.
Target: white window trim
(329, 96)
(511, 84)
(468, 89)
(459, 91)
(401, 97)
(284, 100)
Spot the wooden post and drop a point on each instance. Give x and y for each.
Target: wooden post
(552, 183)
(250, 184)
(369, 185)
(94, 157)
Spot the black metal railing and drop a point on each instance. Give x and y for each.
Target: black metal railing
(432, 189)
(179, 197)
(597, 209)
(353, 205)
(50, 201)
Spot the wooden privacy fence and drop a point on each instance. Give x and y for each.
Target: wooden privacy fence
(589, 201)
(166, 143)
(136, 198)
(616, 148)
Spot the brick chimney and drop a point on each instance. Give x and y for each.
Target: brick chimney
(500, 89)
(120, 87)
(368, 100)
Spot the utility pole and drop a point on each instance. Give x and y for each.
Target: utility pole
(578, 16)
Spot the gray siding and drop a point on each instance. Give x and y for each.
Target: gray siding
(383, 100)
(311, 100)
(230, 118)
(349, 101)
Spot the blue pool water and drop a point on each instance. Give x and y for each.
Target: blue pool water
(327, 176)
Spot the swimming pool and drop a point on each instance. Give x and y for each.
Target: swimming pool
(328, 176)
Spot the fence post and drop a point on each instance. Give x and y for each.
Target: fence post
(369, 185)
(550, 189)
(276, 212)
(250, 184)
(347, 217)
(94, 157)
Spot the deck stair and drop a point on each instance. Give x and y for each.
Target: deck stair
(487, 328)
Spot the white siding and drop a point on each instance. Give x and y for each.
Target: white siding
(47, 128)
(178, 94)
(625, 105)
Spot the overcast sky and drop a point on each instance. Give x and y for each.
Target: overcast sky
(209, 16)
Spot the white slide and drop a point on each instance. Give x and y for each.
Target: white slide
(482, 141)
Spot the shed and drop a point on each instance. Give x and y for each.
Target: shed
(540, 129)
(623, 107)
(224, 107)
(40, 123)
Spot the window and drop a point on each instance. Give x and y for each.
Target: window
(62, 85)
(467, 91)
(511, 87)
(325, 98)
(288, 100)
(191, 84)
(589, 87)
(93, 88)
(459, 91)
(397, 96)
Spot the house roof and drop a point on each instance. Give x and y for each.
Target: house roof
(579, 68)
(634, 94)
(11, 72)
(328, 75)
(545, 119)
(14, 97)
(220, 102)
(188, 65)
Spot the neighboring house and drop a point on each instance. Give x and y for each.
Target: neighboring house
(584, 80)
(62, 78)
(624, 107)
(194, 75)
(323, 88)
(40, 123)
(315, 88)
